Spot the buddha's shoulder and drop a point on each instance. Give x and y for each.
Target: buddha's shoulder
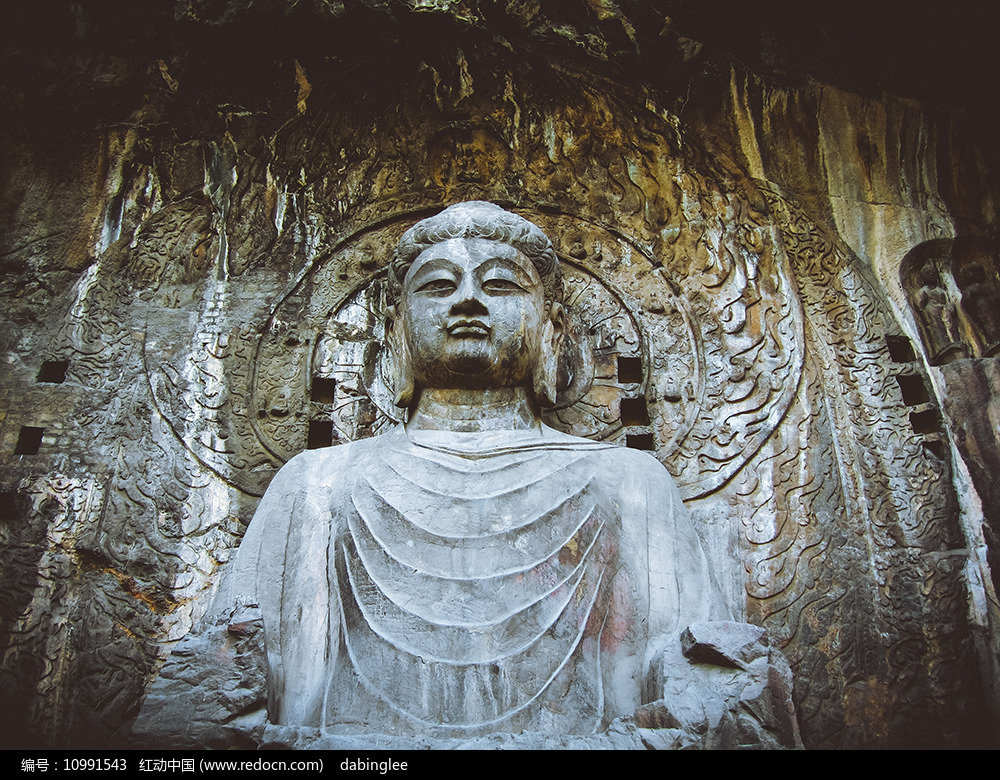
(618, 464)
(326, 464)
(612, 453)
(630, 465)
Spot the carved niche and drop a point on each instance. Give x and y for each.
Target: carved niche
(953, 288)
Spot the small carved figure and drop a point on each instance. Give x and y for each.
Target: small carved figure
(981, 301)
(938, 319)
(474, 571)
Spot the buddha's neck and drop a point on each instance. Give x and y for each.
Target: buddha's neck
(471, 411)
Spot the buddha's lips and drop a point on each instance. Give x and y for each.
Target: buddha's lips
(474, 328)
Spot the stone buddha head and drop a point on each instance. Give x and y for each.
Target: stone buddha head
(474, 295)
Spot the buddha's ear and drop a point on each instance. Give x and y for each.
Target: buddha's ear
(546, 377)
(399, 353)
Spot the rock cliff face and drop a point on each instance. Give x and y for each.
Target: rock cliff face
(774, 268)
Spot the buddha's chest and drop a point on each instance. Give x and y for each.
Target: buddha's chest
(470, 595)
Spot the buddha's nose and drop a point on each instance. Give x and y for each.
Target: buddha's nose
(469, 299)
(469, 305)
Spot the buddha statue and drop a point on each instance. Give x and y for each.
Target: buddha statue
(938, 317)
(474, 571)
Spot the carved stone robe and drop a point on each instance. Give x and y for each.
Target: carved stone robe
(457, 584)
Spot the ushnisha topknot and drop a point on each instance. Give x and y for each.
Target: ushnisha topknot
(478, 219)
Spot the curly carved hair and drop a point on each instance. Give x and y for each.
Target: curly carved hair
(478, 219)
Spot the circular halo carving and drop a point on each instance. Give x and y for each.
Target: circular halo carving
(700, 377)
(334, 358)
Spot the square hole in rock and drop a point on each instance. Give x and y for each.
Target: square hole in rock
(53, 371)
(12, 506)
(634, 411)
(900, 349)
(925, 422)
(913, 388)
(935, 447)
(640, 441)
(320, 434)
(29, 440)
(629, 369)
(322, 389)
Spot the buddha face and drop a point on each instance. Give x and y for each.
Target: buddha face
(473, 314)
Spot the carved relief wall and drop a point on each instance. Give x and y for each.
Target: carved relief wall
(227, 315)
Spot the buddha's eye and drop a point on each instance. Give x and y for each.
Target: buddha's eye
(438, 287)
(501, 286)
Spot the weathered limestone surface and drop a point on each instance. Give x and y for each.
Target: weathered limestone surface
(212, 690)
(740, 695)
(194, 240)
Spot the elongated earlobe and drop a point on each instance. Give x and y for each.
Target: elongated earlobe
(402, 375)
(546, 377)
